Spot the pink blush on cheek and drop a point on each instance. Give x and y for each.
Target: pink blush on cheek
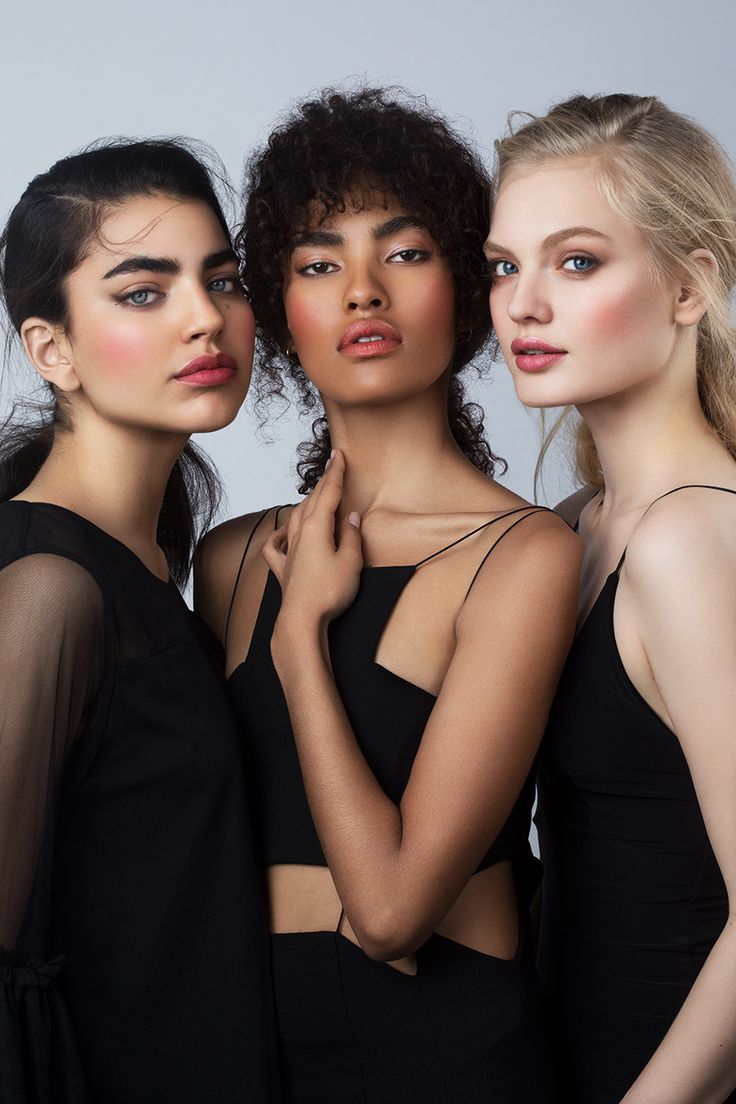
(305, 319)
(123, 352)
(437, 302)
(621, 315)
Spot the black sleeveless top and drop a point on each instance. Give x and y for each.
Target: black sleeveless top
(387, 713)
(139, 964)
(633, 897)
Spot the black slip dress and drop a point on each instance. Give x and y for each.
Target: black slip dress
(633, 897)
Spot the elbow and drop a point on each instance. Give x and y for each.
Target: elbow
(388, 936)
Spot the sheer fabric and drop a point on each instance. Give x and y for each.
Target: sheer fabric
(131, 906)
(51, 628)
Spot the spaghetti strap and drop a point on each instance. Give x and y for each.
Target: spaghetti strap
(240, 571)
(485, 525)
(531, 511)
(576, 527)
(276, 515)
(683, 487)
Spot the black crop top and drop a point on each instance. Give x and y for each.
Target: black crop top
(388, 715)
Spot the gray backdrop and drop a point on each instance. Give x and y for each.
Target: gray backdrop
(74, 71)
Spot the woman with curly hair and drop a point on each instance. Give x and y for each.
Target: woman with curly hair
(381, 668)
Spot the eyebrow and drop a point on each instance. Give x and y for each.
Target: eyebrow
(396, 225)
(318, 237)
(379, 233)
(167, 266)
(554, 239)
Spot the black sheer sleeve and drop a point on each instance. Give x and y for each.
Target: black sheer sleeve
(51, 658)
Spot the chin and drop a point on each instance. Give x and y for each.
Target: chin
(542, 392)
(209, 424)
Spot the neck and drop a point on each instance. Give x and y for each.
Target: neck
(114, 476)
(649, 440)
(394, 452)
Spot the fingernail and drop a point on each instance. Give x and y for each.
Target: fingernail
(332, 454)
(328, 463)
(354, 519)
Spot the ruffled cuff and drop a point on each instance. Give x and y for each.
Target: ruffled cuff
(40, 1059)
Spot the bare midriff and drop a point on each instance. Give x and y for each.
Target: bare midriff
(484, 917)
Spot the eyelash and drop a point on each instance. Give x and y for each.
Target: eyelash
(126, 299)
(304, 270)
(593, 264)
(419, 255)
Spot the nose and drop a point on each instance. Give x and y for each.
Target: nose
(364, 289)
(202, 315)
(528, 301)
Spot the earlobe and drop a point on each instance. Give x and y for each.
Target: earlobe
(692, 302)
(47, 348)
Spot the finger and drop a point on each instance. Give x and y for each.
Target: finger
(274, 554)
(350, 540)
(336, 461)
(294, 520)
(326, 497)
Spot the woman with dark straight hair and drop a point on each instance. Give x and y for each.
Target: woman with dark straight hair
(393, 683)
(132, 936)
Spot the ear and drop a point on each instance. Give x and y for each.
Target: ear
(691, 304)
(48, 349)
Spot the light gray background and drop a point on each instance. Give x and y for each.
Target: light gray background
(73, 71)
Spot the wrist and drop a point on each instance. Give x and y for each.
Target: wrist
(296, 638)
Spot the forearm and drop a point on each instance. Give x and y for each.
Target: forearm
(696, 1061)
(359, 827)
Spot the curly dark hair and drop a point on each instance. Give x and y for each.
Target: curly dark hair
(342, 149)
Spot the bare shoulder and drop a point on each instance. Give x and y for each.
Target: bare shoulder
(571, 507)
(221, 555)
(689, 537)
(537, 551)
(527, 588)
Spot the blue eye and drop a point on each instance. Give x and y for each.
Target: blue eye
(223, 284)
(579, 263)
(503, 268)
(141, 297)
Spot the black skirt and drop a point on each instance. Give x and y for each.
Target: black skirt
(466, 1028)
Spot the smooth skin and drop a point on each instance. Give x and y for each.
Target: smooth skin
(113, 368)
(401, 871)
(629, 368)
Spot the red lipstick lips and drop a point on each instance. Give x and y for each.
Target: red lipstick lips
(368, 339)
(208, 370)
(532, 355)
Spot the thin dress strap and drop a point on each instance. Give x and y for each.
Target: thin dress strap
(576, 526)
(242, 564)
(472, 533)
(531, 510)
(684, 487)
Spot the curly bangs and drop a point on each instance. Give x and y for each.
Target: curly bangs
(340, 151)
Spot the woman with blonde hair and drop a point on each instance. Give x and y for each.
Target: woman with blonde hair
(613, 256)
